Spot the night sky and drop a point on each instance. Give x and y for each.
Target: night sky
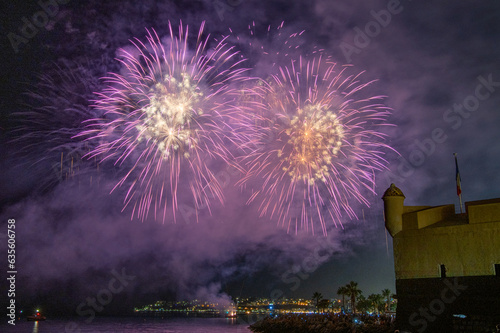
(437, 63)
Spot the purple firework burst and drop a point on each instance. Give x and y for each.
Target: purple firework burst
(167, 119)
(317, 144)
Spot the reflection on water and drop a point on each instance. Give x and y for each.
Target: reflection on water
(134, 325)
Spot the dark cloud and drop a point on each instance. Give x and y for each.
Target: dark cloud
(75, 236)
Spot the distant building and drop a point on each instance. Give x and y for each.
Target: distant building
(447, 265)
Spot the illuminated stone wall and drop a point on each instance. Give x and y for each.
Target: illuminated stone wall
(447, 265)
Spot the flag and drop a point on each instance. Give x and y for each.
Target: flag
(459, 186)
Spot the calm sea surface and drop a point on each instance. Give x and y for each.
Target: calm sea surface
(129, 325)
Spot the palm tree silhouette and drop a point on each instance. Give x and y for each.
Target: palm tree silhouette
(317, 297)
(323, 304)
(353, 291)
(343, 292)
(386, 293)
(376, 300)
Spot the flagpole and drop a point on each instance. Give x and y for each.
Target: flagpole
(460, 200)
(459, 185)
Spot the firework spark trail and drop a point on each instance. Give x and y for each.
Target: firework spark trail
(58, 106)
(271, 46)
(53, 114)
(317, 144)
(168, 117)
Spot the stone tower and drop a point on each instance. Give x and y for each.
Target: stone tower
(393, 209)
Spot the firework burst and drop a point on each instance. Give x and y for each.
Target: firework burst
(52, 115)
(167, 119)
(317, 144)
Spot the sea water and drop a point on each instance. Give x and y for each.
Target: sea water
(134, 325)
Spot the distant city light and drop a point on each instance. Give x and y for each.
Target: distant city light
(460, 316)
